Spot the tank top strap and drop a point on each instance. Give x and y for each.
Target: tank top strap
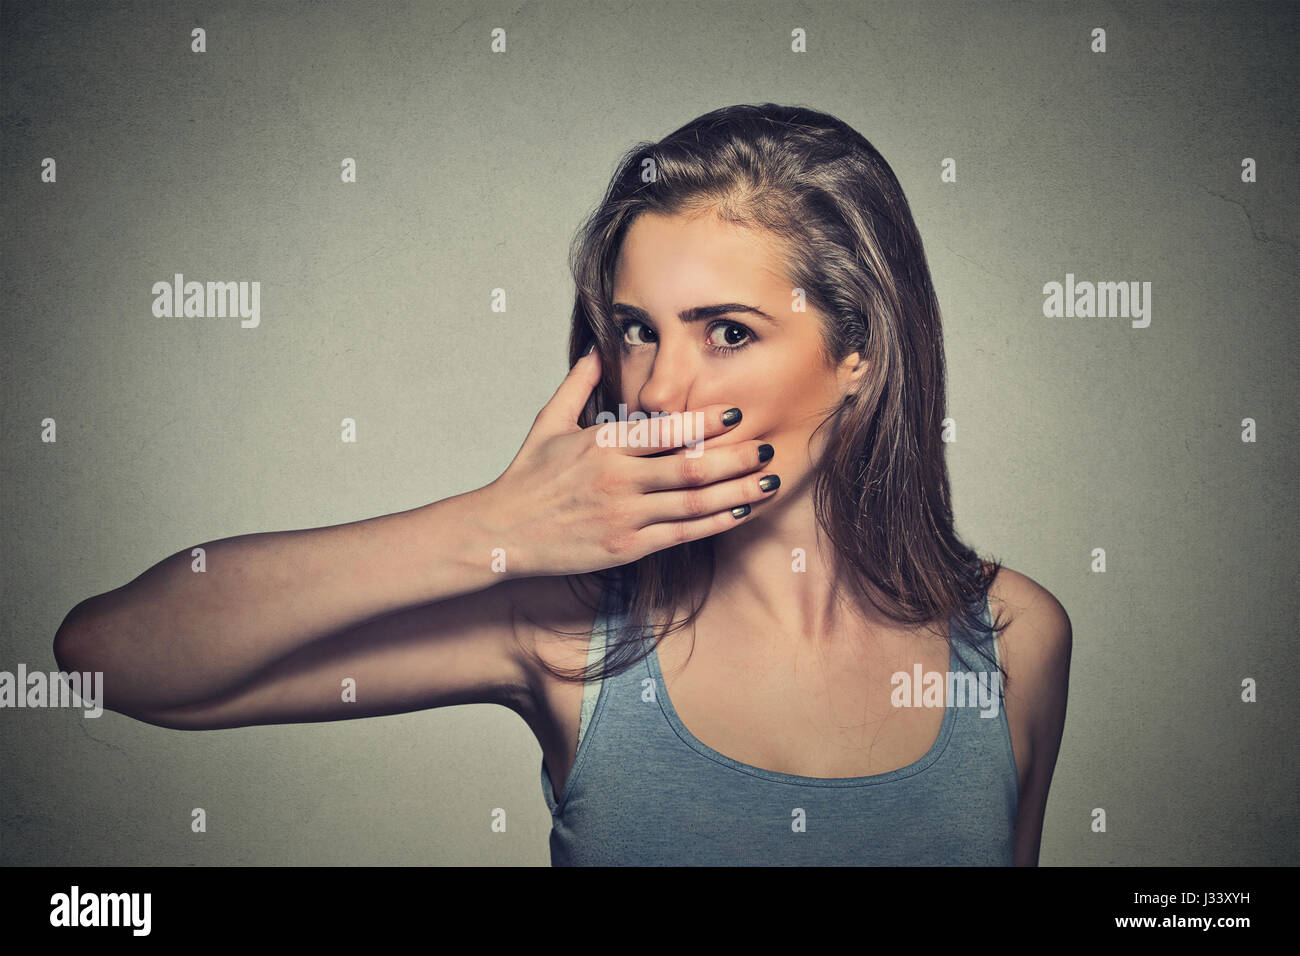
(595, 653)
(976, 695)
(609, 618)
(976, 678)
(977, 649)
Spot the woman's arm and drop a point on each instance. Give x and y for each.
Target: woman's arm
(176, 636)
(1035, 650)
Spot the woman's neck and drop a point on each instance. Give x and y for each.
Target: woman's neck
(777, 572)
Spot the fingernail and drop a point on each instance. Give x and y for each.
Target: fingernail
(731, 416)
(769, 482)
(765, 452)
(740, 512)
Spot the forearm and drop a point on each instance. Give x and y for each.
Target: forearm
(176, 635)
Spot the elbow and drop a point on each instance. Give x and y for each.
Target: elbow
(69, 642)
(96, 637)
(82, 645)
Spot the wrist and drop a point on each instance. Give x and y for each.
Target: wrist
(458, 536)
(489, 539)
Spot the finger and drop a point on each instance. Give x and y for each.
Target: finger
(571, 397)
(693, 468)
(689, 503)
(668, 534)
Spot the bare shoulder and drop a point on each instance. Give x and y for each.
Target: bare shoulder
(1038, 639)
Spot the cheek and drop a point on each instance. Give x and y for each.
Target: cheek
(790, 409)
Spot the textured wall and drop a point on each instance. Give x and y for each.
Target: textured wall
(474, 168)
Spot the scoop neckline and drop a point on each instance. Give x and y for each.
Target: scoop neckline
(889, 776)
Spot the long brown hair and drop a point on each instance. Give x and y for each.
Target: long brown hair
(881, 493)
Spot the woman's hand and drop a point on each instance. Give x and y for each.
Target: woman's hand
(576, 500)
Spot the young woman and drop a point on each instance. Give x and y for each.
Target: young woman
(777, 668)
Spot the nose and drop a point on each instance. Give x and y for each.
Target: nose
(671, 376)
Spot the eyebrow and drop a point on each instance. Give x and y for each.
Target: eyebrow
(698, 314)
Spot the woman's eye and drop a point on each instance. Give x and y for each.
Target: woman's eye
(728, 336)
(632, 325)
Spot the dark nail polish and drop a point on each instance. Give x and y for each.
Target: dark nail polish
(740, 512)
(731, 416)
(769, 482)
(765, 452)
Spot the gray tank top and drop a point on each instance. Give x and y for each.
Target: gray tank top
(644, 791)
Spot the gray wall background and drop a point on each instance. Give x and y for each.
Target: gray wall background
(474, 170)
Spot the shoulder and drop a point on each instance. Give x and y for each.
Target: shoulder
(1035, 649)
(1038, 638)
(553, 618)
(1022, 598)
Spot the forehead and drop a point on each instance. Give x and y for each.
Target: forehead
(698, 254)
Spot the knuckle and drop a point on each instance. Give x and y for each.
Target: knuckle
(693, 502)
(692, 471)
(608, 483)
(682, 533)
(614, 544)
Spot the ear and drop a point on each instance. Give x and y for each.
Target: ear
(850, 373)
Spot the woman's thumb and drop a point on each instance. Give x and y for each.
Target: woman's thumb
(571, 397)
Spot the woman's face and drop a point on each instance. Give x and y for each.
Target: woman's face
(755, 353)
